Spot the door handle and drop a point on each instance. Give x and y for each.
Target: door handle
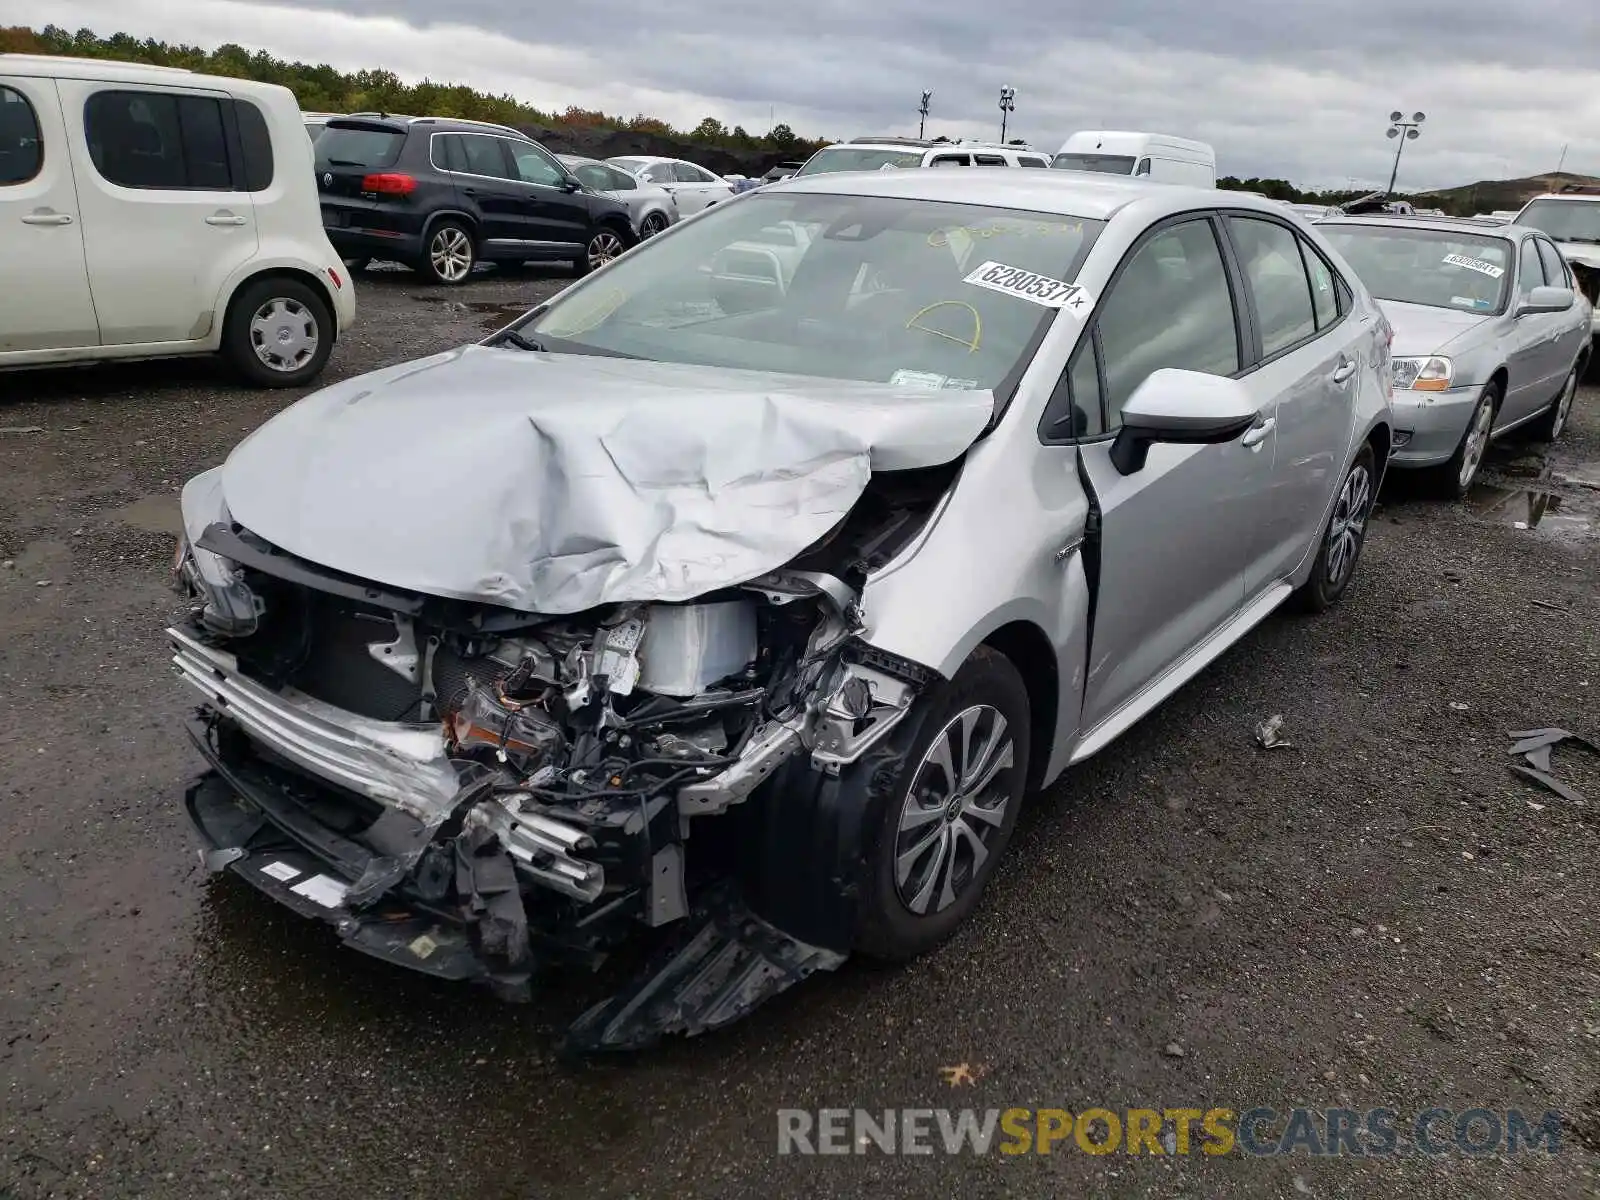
(47, 218)
(1257, 433)
(1343, 371)
(224, 218)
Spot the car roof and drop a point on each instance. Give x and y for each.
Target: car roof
(50, 66)
(1488, 228)
(1583, 197)
(1068, 193)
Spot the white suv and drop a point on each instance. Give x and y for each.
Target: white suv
(1571, 219)
(149, 211)
(893, 153)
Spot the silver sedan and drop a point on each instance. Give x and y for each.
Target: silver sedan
(808, 583)
(651, 208)
(1490, 334)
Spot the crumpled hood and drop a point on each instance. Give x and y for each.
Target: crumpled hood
(1423, 329)
(555, 483)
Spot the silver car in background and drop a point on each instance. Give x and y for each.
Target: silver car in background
(694, 187)
(651, 208)
(801, 587)
(1490, 335)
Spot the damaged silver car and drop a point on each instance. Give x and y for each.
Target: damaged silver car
(748, 605)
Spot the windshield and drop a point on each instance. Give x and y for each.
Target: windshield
(862, 288)
(341, 146)
(630, 165)
(858, 158)
(1425, 266)
(1102, 164)
(1564, 220)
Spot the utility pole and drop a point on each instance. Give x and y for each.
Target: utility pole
(1008, 105)
(922, 125)
(1405, 131)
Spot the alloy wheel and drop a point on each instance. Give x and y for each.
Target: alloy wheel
(451, 254)
(1349, 524)
(1564, 405)
(603, 247)
(954, 809)
(1477, 442)
(284, 335)
(652, 225)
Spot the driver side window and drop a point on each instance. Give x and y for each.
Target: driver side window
(535, 166)
(1529, 273)
(1171, 306)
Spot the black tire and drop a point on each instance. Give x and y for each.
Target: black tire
(652, 224)
(449, 254)
(1344, 535)
(605, 242)
(278, 332)
(1552, 423)
(1450, 481)
(889, 926)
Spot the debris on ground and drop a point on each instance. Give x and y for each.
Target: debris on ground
(1535, 745)
(5, 429)
(1269, 734)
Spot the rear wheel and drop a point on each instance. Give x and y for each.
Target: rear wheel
(278, 332)
(1454, 479)
(1553, 423)
(1343, 537)
(449, 255)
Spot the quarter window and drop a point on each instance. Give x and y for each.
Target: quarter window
(1170, 307)
(255, 145)
(21, 143)
(1270, 255)
(156, 140)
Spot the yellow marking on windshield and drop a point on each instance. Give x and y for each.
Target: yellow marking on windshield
(977, 324)
(585, 317)
(941, 238)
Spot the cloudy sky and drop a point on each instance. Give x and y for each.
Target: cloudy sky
(1286, 88)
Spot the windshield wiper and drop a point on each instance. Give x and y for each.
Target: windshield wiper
(511, 337)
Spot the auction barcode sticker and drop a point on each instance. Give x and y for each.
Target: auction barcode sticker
(1475, 264)
(1030, 286)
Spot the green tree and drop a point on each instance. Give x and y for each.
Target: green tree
(710, 130)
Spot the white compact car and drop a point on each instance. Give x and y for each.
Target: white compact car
(693, 187)
(149, 211)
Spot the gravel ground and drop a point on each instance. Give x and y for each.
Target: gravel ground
(1381, 915)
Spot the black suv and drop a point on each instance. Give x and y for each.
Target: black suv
(441, 194)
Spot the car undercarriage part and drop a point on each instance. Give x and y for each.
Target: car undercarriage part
(476, 793)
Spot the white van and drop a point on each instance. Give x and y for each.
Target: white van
(1156, 155)
(148, 211)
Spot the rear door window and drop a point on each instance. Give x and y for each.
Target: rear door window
(1270, 256)
(374, 149)
(485, 156)
(21, 142)
(951, 160)
(162, 141)
(989, 160)
(689, 173)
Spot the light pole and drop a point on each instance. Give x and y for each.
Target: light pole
(1008, 105)
(1406, 131)
(922, 125)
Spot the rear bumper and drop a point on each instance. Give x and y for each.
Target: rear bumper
(1435, 423)
(375, 243)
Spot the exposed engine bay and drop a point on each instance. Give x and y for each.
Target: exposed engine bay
(474, 791)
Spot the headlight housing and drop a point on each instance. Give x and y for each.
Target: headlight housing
(1427, 373)
(227, 605)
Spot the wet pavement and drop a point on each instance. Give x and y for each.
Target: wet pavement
(1381, 915)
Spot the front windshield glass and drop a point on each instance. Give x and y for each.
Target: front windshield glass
(1101, 164)
(866, 288)
(1426, 266)
(858, 158)
(1564, 220)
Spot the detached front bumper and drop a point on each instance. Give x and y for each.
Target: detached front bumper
(1432, 424)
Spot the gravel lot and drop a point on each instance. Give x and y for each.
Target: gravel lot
(1378, 916)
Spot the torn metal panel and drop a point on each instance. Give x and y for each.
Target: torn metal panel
(578, 480)
(1534, 746)
(732, 963)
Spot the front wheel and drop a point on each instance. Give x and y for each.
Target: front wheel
(950, 811)
(1343, 537)
(652, 224)
(1454, 479)
(604, 244)
(278, 333)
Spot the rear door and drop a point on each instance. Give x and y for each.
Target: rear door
(167, 218)
(45, 302)
(1174, 537)
(485, 180)
(1309, 368)
(700, 187)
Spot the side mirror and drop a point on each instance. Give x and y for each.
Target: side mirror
(1547, 300)
(1186, 408)
(570, 184)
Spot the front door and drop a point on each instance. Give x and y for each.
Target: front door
(1529, 360)
(45, 303)
(553, 213)
(1175, 536)
(166, 221)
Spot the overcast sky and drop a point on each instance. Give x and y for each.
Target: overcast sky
(1285, 88)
